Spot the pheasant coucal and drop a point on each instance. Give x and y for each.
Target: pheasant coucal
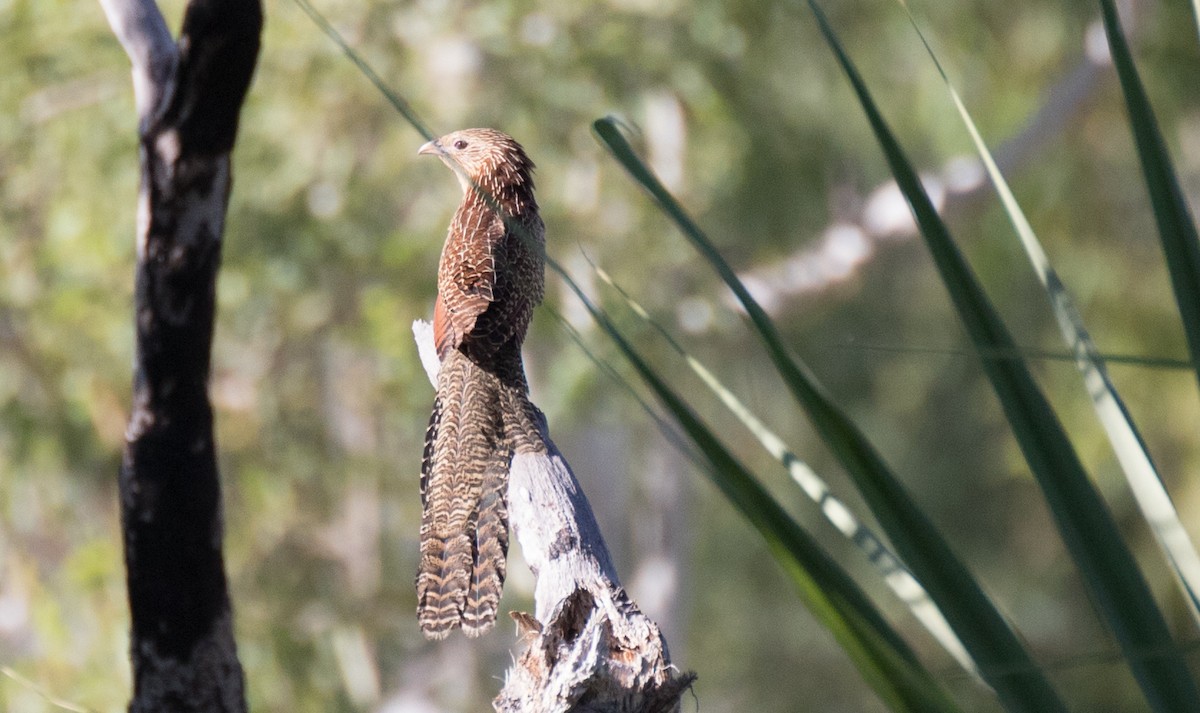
(490, 278)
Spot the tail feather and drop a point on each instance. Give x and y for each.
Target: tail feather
(491, 549)
(442, 583)
(427, 455)
(464, 525)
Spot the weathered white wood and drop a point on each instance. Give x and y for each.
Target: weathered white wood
(427, 350)
(589, 648)
(556, 528)
(140, 28)
(589, 641)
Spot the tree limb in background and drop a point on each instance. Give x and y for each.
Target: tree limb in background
(956, 188)
(588, 643)
(188, 99)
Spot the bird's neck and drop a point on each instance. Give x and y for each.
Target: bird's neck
(514, 199)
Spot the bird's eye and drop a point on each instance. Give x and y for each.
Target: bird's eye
(460, 144)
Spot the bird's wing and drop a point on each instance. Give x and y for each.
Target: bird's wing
(516, 289)
(465, 292)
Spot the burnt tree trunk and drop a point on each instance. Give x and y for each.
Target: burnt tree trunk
(188, 96)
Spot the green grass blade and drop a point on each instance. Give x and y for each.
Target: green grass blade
(884, 660)
(398, 102)
(1176, 229)
(1109, 570)
(669, 433)
(1144, 479)
(998, 654)
(888, 565)
(873, 627)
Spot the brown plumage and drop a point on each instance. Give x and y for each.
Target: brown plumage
(489, 280)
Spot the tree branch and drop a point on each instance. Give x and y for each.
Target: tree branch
(589, 648)
(188, 99)
(141, 30)
(882, 215)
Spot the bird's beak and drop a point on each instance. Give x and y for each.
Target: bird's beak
(433, 147)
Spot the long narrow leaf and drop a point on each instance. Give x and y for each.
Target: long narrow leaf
(901, 581)
(1109, 570)
(1144, 479)
(1176, 229)
(998, 653)
(880, 654)
(398, 102)
(664, 425)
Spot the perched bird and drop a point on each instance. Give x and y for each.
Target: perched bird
(490, 277)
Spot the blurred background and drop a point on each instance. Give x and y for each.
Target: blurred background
(332, 242)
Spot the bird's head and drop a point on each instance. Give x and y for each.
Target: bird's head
(490, 159)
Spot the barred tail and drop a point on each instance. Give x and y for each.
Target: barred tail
(491, 550)
(464, 483)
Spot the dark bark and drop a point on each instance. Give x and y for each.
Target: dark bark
(182, 649)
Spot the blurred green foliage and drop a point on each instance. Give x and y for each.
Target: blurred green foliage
(331, 248)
